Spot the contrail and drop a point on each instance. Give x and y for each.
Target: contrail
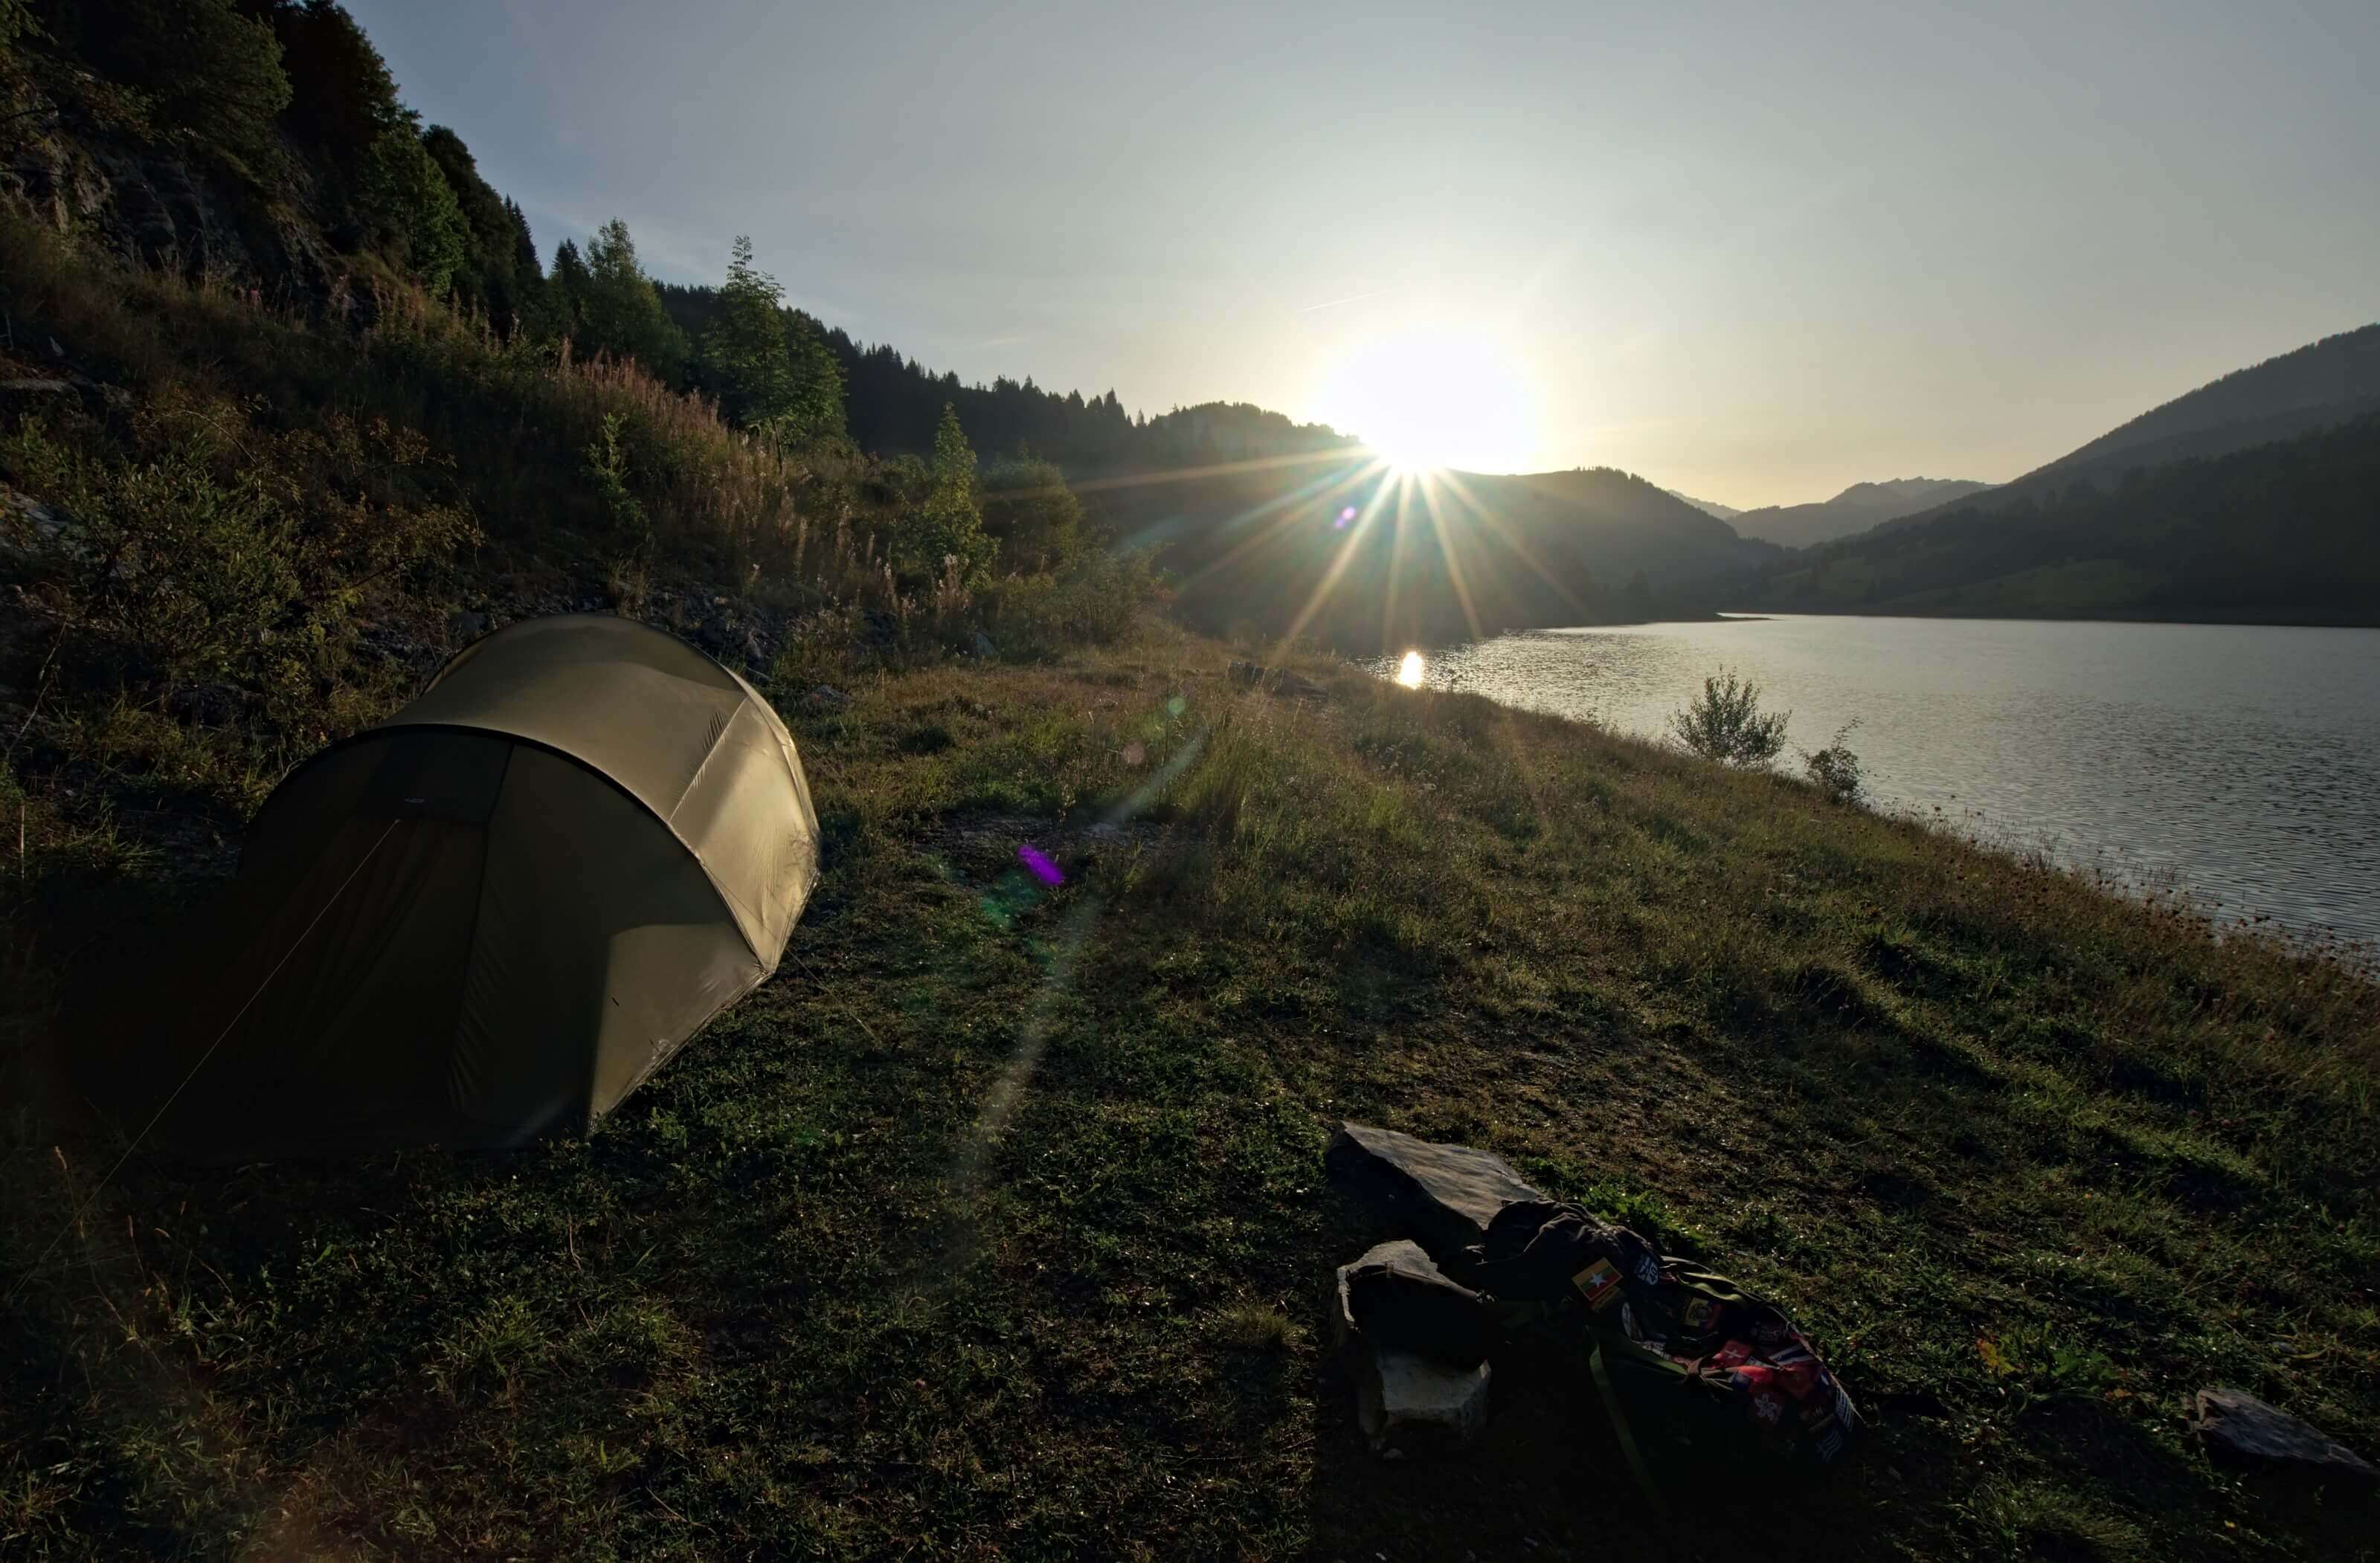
(1351, 299)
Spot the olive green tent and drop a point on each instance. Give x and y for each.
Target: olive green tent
(488, 919)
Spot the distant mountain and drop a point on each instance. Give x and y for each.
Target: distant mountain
(1854, 510)
(2283, 532)
(2320, 385)
(1709, 507)
(1329, 545)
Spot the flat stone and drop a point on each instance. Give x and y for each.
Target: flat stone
(1407, 1406)
(1411, 1408)
(2239, 1426)
(1444, 1194)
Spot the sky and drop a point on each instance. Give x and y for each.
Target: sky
(1753, 252)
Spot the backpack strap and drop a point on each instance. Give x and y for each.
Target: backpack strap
(1620, 1427)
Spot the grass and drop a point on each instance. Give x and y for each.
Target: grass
(995, 1225)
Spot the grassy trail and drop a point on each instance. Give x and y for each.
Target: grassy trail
(995, 1225)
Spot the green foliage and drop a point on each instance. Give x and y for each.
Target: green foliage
(342, 99)
(1725, 723)
(607, 467)
(765, 363)
(16, 20)
(567, 290)
(1030, 514)
(214, 548)
(414, 207)
(488, 280)
(945, 532)
(1094, 599)
(745, 361)
(200, 65)
(1835, 770)
(815, 416)
(619, 314)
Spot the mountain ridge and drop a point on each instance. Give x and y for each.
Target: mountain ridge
(2332, 380)
(1855, 509)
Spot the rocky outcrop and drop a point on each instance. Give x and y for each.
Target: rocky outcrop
(149, 205)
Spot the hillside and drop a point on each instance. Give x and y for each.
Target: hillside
(893, 404)
(1337, 549)
(1854, 510)
(1709, 507)
(2283, 533)
(1001, 1211)
(2320, 385)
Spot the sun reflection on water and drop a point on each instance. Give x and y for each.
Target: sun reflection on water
(1410, 672)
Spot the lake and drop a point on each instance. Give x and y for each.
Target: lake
(2238, 763)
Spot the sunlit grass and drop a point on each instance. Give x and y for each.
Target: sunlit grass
(795, 1297)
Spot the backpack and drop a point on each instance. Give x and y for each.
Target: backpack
(1686, 1360)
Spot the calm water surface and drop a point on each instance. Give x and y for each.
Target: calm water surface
(2240, 764)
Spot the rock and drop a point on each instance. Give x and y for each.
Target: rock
(46, 526)
(828, 696)
(1399, 1301)
(1278, 681)
(983, 646)
(1407, 1405)
(467, 625)
(2239, 1427)
(1444, 1194)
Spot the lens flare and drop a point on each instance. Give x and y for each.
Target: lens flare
(1410, 672)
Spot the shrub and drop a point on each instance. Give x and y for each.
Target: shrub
(1095, 600)
(214, 550)
(1726, 723)
(945, 532)
(1031, 515)
(1835, 770)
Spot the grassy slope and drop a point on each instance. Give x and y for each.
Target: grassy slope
(995, 1225)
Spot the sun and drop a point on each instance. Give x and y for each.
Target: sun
(1429, 399)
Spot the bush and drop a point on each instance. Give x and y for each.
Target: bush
(214, 550)
(945, 532)
(1095, 600)
(1835, 770)
(1032, 516)
(1726, 723)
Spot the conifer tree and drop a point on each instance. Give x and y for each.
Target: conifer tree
(622, 313)
(947, 529)
(745, 361)
(567, 290)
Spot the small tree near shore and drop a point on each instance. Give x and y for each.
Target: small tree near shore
(1835, 770)
(1725, 722)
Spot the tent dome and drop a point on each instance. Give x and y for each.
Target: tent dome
(489, 918)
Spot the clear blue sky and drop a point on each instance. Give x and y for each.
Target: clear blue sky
(1753, 251)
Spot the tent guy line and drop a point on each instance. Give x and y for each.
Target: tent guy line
(167, 1106)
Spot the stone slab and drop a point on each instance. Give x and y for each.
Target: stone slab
(1408, 1406)
(1443, 1195)
(2240, 1427)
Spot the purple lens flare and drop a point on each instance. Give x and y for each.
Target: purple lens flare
(1038, 863)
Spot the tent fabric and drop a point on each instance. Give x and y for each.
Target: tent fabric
(488, 919)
